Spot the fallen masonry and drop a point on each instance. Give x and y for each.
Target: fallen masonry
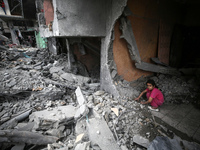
(45, 106)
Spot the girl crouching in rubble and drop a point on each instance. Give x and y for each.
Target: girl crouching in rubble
(154, 96)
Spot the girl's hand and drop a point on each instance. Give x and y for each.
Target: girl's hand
(136, 99)
(142, 102)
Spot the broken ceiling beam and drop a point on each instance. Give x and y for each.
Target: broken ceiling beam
(14, 136)
(155, 68)
(157, 61)
(127, 34)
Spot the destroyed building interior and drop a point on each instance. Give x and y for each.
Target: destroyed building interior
(70, 71)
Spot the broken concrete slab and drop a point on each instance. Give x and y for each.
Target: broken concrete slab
(83, 146)
(75, 78)
(80, 97)
(155, 68)
(18, 147)
(25, 137)
(55, 132)
(141, 140)
(56, 70)
(45, 119)
(84, 110)
(98, 130)
(25, 126)
(77, 114)
(99, 93)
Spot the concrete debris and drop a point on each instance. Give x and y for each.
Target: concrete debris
(84, 110)
(141, 140)
(12, 123)
(55, 132)
(123, 147)
(66, 105)
(99, 93)
(18, 147)
(45, 120)
(83, 146)
(80, 97)
(79, 137)
(25, 137)
(98, 130)
(75, 78)
(116, 111)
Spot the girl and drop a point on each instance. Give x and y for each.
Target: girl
(154, 96)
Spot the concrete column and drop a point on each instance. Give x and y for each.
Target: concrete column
(14, 36)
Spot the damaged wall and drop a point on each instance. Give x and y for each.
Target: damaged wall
(49, 12)
(145, 21)
(125, 65)
(73, 20)
(114, 10)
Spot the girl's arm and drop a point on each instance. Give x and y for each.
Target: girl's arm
(149, 101)
(140, 95)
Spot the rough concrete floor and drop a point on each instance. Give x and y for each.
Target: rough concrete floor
(181, 117)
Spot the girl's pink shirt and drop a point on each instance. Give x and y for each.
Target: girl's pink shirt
(156, 93)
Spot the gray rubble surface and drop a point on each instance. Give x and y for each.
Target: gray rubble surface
(66, 104)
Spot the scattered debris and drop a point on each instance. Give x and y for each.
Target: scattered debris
(69, 111)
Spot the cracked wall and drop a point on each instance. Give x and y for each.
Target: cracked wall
(115, 9)
(71, 19)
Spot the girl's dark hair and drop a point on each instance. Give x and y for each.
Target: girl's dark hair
(152, 82)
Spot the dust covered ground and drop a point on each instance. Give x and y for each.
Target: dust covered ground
(34, 81)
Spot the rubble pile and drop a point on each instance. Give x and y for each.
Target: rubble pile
(176, 89)
(45, 106)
